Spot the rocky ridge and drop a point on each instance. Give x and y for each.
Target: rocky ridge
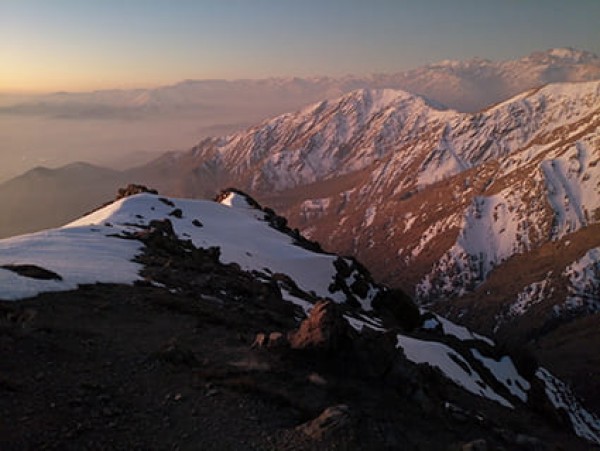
(325, 369)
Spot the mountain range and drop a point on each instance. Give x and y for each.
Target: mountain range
(112, 127)
(439, 202)
(154, 321)
(467, 86)
(488, 217)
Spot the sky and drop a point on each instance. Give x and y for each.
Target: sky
(49, 45)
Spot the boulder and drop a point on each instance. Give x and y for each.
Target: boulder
(324, 329)
(332, 420)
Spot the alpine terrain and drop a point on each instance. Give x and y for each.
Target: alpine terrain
(490, 218)
(157, 322)
(496, 212)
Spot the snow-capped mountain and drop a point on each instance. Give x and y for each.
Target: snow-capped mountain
(178, 247)
(434, 200)
(461, 191)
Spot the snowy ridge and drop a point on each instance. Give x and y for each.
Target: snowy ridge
(237, 228)
(585, 424)
(451, 364)
(584, 283)
(398, 132)
(100, 247)
(532, 294)
(329, 138)
(98, 251)
(522, 172)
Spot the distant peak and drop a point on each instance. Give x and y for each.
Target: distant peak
(564, 54)
(384, 97)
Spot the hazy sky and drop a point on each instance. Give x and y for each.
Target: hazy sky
(89, 44)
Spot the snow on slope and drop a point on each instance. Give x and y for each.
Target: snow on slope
(585, 424)
(584, 283)
(504, 370)
(494, 228)
(450, 328)
(89, 250)
(79, 255)
(237, 229)
(531, 295)
(445, 358)
(327, 139)
(572, 185)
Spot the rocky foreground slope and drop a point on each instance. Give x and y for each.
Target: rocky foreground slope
(157, 323)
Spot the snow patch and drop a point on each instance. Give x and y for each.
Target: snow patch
(445, 359)
(584, 283)
(80, 255)
(369, 216)
(585, 424)
(450, 328)
(505, 371)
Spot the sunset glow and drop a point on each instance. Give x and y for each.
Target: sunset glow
(75, 45)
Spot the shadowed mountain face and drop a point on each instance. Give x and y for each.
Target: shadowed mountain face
(155, 321)
(43, 198)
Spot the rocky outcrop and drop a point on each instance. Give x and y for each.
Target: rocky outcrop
(133, 189)
(331, 421)
(325, 329)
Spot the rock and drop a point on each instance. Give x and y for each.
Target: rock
(260, 341)
(399, 306)
(475, 445)
(317, 379)
(324, 329)
(177, 213)
(275, 340)
(332, 420)
(529, 443)
(133, 189)
(162, 227)
(176, 355)
(33, 272)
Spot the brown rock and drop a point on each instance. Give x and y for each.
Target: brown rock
(331, 420)
(475, 445)
(273, 340)
(133, 189)
(325, 329)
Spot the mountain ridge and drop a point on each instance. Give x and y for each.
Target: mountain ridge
(177, 260)
(501, 79)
